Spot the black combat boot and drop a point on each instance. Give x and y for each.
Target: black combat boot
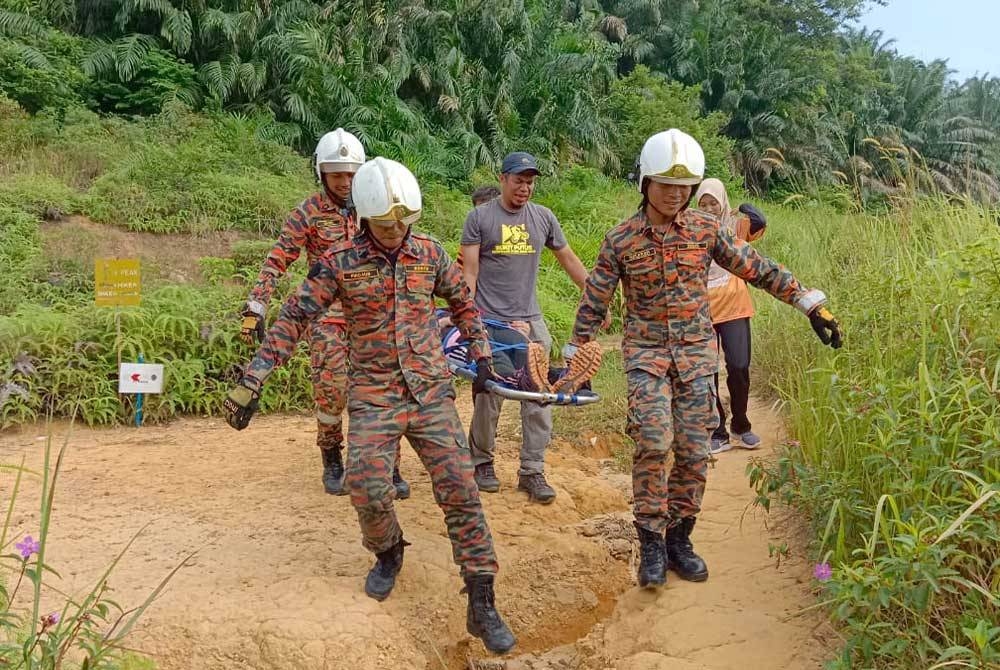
(482, 619)
(402, 488)
(652, 559)
(486, 478)
(333, 471)
(536, 487)
(382, 577)
(687, 564)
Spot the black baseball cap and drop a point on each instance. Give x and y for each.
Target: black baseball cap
(518, 162)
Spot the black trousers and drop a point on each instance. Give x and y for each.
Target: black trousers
(734, 340)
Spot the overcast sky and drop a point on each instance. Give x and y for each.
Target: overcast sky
(965, 32)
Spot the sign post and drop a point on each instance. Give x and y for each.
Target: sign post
(118, 283)
(140, 378)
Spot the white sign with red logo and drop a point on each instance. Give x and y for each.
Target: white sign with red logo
(140, 378)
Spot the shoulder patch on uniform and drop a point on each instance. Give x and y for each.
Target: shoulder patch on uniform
(357, 275)
(638, 255)
(421, 269)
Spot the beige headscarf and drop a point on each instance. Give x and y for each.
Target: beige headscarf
(715, 188)
(716, 275)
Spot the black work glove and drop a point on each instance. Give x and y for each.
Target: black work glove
(240, 405)
(484, 373)
(757, 219)
(822, 321)
(252, 329)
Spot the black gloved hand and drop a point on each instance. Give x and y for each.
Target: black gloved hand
(484, 373)
(757, 219)
(252, 329)
(822, 321)
(240, 404)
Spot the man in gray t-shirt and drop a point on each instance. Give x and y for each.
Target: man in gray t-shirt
(502, 243)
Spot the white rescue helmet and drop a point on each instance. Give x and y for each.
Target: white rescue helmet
(672, 157)
(338, 151)
(386, 192)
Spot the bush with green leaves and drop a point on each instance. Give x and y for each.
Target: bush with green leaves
(39, 67)
(69, 358)
(159, 78)
(646, 103)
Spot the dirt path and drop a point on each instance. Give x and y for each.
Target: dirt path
(277, 582)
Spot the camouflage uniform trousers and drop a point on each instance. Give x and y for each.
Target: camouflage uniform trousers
(667, 413)
(435, 432)
(328, 359)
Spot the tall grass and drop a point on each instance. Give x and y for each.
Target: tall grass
(896, 450)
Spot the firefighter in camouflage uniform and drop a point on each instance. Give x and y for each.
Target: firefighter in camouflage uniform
(661, 256)
(325, 219)
(387, 279)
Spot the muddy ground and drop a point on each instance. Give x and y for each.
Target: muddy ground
(277, 582)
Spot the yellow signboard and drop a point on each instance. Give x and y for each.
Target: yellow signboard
(116, 282)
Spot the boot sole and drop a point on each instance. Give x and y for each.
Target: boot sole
(582, 367)
(538, 367)
(534, 498)
(377, 596)
(335, 492)
(653, 586)
(478, 634)
(688, 577)
(491, 488)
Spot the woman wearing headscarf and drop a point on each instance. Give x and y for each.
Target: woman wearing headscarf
(732, 308)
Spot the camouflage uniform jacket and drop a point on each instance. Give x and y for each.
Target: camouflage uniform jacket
(315, 225)
(664, 278)
(392, 330)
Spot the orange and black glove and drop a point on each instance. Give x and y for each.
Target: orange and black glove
(252, 328)
(826, 326)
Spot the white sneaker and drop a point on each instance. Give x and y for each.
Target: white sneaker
(719, 446)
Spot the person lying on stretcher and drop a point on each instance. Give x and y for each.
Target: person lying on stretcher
(522, 364)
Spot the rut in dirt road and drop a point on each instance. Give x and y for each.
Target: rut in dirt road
(278, 579)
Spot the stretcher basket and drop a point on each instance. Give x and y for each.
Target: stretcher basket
(456, 351)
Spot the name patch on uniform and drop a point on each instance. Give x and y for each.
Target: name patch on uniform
(638, 255)
(360, 274)
(691, 246)
(421, 269)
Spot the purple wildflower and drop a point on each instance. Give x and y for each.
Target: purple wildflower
(50, 620)
(822, 572)
(27, 547)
